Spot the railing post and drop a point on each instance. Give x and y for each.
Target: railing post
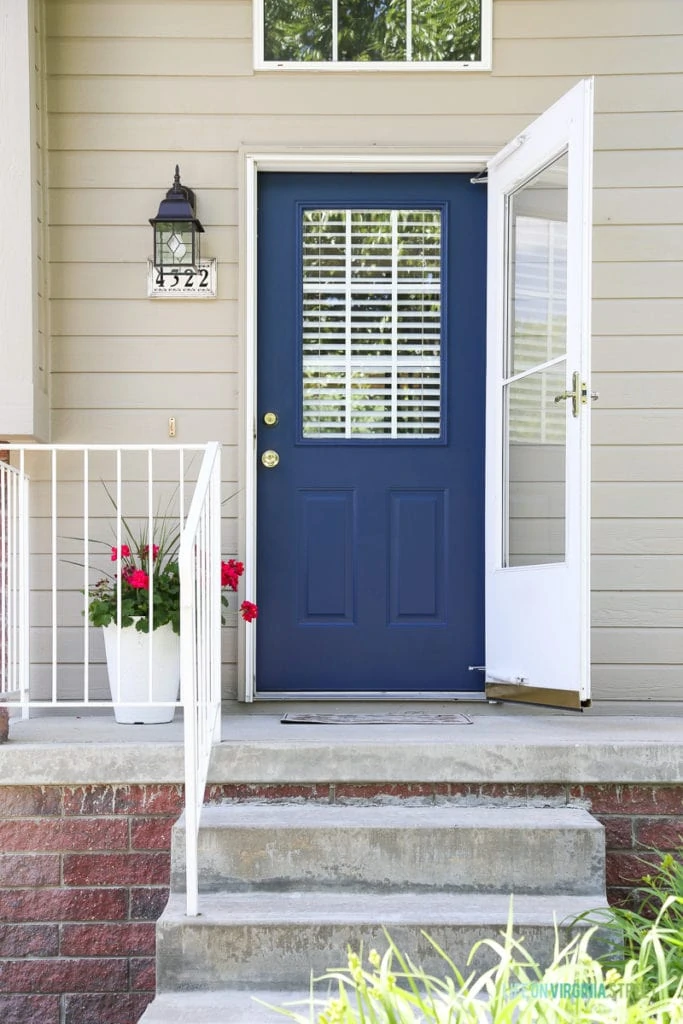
(188, 700)
(215, 607)
(24, 593)
(5, 590)
(200, 651)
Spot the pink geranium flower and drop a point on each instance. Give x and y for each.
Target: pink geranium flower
(138, 579)
(125, 552)
(249, 611)
(230, 573)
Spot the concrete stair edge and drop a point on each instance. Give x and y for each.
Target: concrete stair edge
(223, 1006)
(305, 907)
(245, 847)
(251, 940)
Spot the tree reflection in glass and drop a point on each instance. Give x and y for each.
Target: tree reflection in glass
(298, 30)
(372, 30)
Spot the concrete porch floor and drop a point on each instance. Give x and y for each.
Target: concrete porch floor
(609, 742)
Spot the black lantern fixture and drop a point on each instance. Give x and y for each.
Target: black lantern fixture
(176, 228)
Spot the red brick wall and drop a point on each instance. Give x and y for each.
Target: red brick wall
(84, 874)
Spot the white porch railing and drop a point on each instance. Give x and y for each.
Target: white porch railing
(84, 500)
(200, 650)
(14, 592)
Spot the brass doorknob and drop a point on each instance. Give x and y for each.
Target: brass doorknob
(270, 459)
(270, 419)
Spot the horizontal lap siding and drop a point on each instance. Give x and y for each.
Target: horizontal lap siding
(135, 86)
(122, 364)
(637, 560)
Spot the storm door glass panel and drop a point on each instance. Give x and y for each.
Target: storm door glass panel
(371, 330)
(536, 370)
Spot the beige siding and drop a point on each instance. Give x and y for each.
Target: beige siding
(525, 19)
(639, 354)
(92, 317)
(131, 206)
(637, 427)
(101, 426)
(135, 86)
(185, 354)
(191, 20)
(636, 280)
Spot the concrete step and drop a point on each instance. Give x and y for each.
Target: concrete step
(274, 940)
(367, 848)
(224, 1007)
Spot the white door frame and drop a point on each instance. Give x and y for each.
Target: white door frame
(251, 163)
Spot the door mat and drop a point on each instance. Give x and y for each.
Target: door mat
(409, 718)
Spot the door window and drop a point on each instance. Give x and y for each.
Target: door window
(371, 324)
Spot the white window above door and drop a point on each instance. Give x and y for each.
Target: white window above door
(373, 34)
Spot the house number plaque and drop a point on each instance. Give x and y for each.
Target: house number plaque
(182, 282)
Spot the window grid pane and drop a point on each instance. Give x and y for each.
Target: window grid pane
(371, 330)
(367, 31)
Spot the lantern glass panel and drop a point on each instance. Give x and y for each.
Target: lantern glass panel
(175, 244)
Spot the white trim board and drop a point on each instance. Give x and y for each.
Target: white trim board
(251, 163)
(24, 405)
(439, 696)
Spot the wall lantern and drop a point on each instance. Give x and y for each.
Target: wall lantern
(176, 228)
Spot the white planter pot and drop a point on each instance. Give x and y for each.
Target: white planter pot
(135, 672)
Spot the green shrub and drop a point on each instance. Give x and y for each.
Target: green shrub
(660, 900)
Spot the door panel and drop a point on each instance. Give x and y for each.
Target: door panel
(326, 531)
(371, 353)
(416, 527)
(538, 410)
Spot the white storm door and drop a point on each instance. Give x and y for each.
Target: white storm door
(538, 410)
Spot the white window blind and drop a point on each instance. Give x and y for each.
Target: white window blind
(371, 332)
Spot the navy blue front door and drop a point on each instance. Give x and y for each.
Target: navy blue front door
(371, 352)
